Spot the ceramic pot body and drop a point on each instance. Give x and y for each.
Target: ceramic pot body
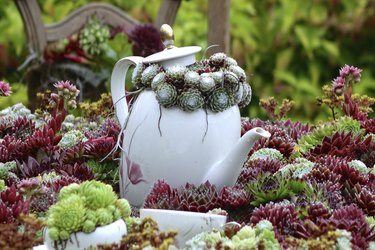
(107, 234)
(187, 224)
(170, 144)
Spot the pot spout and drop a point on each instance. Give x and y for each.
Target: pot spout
(226, 171)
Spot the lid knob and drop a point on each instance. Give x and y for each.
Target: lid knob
(167, 36)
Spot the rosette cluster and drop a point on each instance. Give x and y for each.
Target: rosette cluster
(93, 37)
(83, 207)
(215, 84)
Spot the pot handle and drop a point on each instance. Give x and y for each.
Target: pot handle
(118, 86)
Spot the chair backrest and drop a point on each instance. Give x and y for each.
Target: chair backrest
(39, 34)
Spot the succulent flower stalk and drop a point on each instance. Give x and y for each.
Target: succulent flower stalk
(5, 89)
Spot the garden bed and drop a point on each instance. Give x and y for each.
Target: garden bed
(306, 187)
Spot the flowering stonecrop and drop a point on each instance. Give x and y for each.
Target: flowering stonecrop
(5, 89)
(339, 95)
(270, 106)
(348, 76)
(83, 207)
(103, 107)
(68, 92)
(351, 74)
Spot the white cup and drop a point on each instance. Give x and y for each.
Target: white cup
(187, 224)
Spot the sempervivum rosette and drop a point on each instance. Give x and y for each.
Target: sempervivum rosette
(157, 80)
(213, 84)
(148, 74)
(66, 217)
(219, 100)
(82, 208)
(166, 94)
(137, 75)
(190, 100)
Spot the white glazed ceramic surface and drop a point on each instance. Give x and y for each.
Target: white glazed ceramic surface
(108, 234)
(173, 145)
(170, 144)
(187, 224)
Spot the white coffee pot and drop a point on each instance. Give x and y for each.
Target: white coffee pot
(172, 144)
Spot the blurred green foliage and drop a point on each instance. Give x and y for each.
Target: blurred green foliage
(288, 48)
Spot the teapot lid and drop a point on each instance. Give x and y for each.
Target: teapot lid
(172, 55)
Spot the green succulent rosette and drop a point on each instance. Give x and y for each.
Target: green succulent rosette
(83, 207)
(219, 100)
(65, 217)
(157, 80)
(191, 78)
(166, 95)
(176, 73)
(67, 191)
(148, 74)
(137, 75)
(190, 100)
(206, 82)
(97, 195)
(124, 208)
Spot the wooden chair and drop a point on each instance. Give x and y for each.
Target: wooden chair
(39, 34)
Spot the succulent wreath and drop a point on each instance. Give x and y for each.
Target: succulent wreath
(216, 84)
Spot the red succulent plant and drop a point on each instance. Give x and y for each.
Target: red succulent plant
(12, 205)
(253, 168)
(284, 218)
(352, 219)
